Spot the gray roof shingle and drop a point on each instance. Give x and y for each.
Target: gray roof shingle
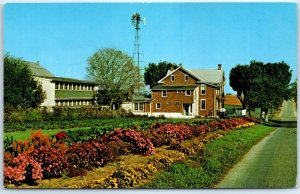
(39, 71)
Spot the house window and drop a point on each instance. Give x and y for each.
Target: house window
(172, 78)
(203, 104)
(56, 86)
(186, 77)
(136, 106)
(141, 107)
(188, 92)
(203, 89)
(179, 91)
(164, 93)
(157, 105)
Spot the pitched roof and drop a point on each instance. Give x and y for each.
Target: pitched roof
(210, 76)
(213, 76)
(232, 100)
(186, 87)
(39, 71)
(65, 79)
(140, 98)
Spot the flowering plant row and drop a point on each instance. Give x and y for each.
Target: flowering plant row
(44, 157)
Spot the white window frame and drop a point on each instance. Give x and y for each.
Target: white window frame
(157, 106)
(141, 105)
(162, 93)
(172, 77)
(186, 77)
(136, 108)
(201, 104)
(187, 93)
(179, 91)
(203, 90)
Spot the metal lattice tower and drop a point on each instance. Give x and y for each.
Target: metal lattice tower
(136, 21)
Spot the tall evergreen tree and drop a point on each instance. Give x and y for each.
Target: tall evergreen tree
(20, 89)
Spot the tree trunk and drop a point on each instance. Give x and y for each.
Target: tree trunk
(111, 103)
(267, 115)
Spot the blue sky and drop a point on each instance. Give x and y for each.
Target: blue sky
(198, 35)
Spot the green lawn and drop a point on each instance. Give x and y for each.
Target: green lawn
(23, 135)
(205, 169)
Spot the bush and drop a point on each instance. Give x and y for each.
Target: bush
(52, 161)
(22, 169)
(139, 143)
(167, 133)
(88, 155)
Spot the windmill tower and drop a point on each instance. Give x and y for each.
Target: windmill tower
(136, 21)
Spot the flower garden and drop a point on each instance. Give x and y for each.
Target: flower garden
(123, 158)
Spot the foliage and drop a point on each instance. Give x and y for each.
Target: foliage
(139, 144)
(114, 71)
(22, 169)
(52, 161)
(155, 72)
(167, 133)
(261, 85)
(206, 168)
(88, 155)
(20, 89)
(55, 158)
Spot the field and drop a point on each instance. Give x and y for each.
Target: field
(123, 158)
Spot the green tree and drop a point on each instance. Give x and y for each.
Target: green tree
(115, 73)
(20, 89)
(238, 80)
(155, 72)
(261, 85)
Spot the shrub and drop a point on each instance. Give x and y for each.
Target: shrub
(61, 135)
(88, 155)
(22, 169)
(167, 133)
(140, 144)
(52, 161)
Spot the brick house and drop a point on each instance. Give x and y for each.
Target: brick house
(189, 93)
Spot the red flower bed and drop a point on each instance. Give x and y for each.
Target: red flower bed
(167, 133)
(22, 169)
(137, 141)
(52, 161)
(44, 157)
(88, 155)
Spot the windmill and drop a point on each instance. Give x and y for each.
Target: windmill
(136, 21)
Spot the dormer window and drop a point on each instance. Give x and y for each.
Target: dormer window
(186, 77)
(172, 78)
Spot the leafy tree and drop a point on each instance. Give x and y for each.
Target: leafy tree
(20, 89)
(238, 80)
(261, 85)
(115, 73)
(155, 72)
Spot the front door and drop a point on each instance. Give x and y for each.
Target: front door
(187, 109)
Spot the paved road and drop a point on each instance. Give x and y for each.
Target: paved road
(288, 112)
(272, 163)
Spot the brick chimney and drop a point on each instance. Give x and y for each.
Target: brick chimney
(219, 66)
(172, 68)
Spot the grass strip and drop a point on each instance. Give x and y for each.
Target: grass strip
(206, 168)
